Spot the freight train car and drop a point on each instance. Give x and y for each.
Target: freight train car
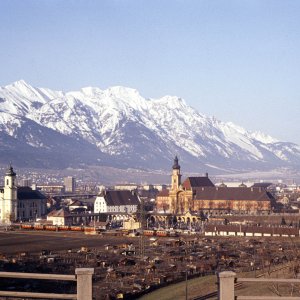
(39, 227)
(76, 228)
(149, 232)
(51, 228)
(64, 228)
(162, 233)
(27, 226)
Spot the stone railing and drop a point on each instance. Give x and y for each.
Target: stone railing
(227, 280)
(83, 277)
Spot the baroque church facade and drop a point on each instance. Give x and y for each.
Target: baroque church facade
(197, 194)
(19, 203)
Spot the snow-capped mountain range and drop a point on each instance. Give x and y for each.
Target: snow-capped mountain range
(118, 127)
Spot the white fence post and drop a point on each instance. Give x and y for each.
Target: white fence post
(226, 285)
(84, 283)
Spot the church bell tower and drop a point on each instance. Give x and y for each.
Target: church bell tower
(9, 205)
(176, 176)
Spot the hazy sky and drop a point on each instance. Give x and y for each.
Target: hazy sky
(237, 60)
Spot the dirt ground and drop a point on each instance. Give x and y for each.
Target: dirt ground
(35, 241)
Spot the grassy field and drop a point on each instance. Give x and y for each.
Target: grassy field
(196, 287)
(204, 285)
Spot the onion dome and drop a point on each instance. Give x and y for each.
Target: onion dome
(10, 171)
(176, 165)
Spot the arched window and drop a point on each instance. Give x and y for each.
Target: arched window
(7, 181)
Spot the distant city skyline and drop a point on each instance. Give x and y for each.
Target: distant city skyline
(235, 60)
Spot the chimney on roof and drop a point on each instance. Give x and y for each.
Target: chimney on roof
(206, 174)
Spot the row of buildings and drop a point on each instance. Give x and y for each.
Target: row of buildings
(193, 195)
(18, 203)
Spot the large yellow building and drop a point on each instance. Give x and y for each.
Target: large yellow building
(200, 194)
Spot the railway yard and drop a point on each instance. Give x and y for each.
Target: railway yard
(120, 270)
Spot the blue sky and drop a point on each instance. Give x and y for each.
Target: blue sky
(237, 60)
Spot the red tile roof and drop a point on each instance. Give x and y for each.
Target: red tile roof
(232, 193)
(193, 182)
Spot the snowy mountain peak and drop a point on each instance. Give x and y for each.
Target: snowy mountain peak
(20, 87)
(237, 128)
(91, 91)
(125, 93)
(144, 133)
(264, 138)
(172, 102)
(128, 96)
(19, 98)
(19, 84)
